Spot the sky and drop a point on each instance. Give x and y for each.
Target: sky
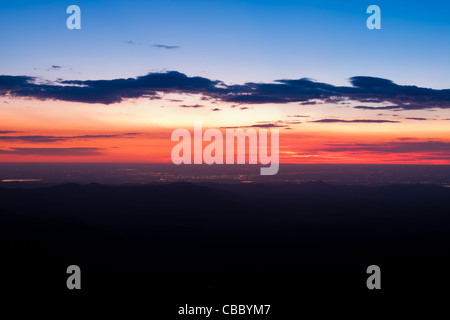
(136, 70)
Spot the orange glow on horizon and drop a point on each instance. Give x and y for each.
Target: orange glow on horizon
(140, 132)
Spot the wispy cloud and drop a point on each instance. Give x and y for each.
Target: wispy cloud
(268, 124)
(163, 46)
(354, 121)
(55, 67)
(53, 151)
(39, 138)
(192, 106)
(443, 148)
(415, 118)
(308, 103)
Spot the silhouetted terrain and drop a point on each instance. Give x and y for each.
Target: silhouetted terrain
(298, 247)
(45, 174)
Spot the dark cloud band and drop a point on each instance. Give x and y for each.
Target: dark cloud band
(363, 89)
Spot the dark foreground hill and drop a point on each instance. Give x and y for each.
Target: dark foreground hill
(157, 247)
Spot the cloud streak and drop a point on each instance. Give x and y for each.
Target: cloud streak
(262, 126)
(195, 106)
(39, 138)
(53, 151)
(415, 118)
(439, 147)
(268, 124)
(354, 121)
(163, 46)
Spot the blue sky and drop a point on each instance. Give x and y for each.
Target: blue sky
(234, 41)
(366, 99)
